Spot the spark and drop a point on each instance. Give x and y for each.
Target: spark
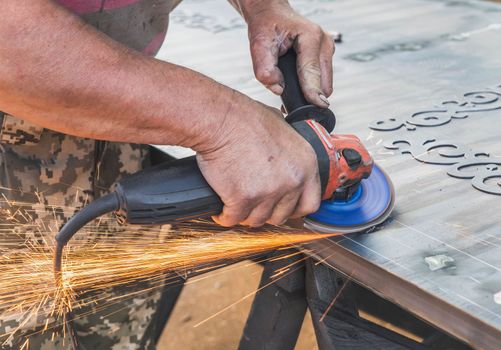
(105, 255)
(248, 295)
(333, 302)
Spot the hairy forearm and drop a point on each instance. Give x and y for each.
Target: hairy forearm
(64, 75)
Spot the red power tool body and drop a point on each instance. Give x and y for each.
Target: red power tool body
(349, 161)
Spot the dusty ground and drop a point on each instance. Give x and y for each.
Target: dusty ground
(205, 297)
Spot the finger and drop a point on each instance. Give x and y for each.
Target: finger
(232, 215)
(326, 54)
(309, 202)
(308, 66)
(260, 214)
(284, 208)
(264, 53)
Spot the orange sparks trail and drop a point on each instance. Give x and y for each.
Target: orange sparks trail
(104, 255)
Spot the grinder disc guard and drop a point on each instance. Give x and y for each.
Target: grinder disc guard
(369, 206)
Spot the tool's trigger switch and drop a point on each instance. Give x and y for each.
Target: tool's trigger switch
(352, 157)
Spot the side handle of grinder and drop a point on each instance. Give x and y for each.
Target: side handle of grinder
(293, 100)
(342, 159)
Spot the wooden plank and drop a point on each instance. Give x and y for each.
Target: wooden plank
(440, 257)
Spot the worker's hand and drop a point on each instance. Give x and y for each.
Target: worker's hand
(262, 169)
(274, 28)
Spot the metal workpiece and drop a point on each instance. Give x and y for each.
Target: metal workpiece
(426, 73)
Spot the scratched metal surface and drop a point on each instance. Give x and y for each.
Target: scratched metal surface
(400, 58)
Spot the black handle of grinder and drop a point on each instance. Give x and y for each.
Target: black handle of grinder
(296, 105)
(292, 96)
(171, 191)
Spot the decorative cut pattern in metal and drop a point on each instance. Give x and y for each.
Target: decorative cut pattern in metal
(483, 170)
(474, 102)
(482, 173)
(432, 151)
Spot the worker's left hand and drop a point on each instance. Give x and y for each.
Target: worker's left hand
(274, 27)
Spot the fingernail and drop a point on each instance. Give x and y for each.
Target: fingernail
(277, 89)
(324, 99)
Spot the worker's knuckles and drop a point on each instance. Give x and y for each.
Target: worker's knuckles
(267, 74)
(277, 219)
(307, 206)
(309, 41)
(264, 63)
(254, 222)
(259, 215)
(283, 210)
(311, 31)
(261, 43)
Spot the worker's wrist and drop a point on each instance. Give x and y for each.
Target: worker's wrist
(220, 120)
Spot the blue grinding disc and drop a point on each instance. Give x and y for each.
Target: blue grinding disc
(369, 206)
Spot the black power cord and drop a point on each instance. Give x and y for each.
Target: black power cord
(94, 210)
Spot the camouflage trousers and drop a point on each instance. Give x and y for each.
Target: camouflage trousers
(65, 171)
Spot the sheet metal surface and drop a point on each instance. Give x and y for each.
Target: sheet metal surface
(399, 58)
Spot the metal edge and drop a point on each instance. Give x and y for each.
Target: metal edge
(430, 308)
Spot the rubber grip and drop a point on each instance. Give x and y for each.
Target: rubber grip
(171, 191)
(292, 96)
(296, 105)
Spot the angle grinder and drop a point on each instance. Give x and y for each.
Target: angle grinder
(357, 195)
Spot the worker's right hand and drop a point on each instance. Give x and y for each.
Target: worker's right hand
(262, 169)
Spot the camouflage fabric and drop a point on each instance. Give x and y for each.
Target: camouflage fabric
(66, 171)
(18, 132)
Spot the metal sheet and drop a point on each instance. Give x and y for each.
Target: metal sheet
(440, 256)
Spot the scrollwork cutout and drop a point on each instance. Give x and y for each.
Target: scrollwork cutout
(473, 102)
(433, 151)
(479, 171)
(466, 163)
